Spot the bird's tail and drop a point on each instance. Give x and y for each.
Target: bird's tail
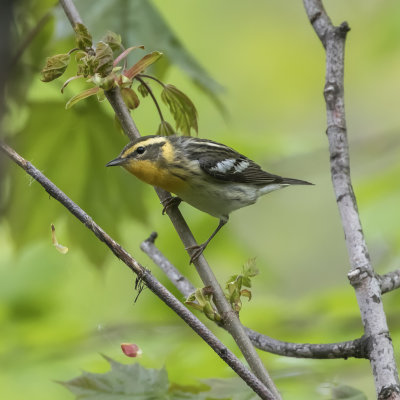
(290, 181)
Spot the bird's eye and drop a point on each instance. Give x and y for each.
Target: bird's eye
(140, 150)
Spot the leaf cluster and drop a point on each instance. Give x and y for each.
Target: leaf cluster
(234, 285)
(202, 299)
(98, 66)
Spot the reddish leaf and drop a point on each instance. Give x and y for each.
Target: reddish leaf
(142, 64)
(131, 349)
(125, 53)
(80, 96)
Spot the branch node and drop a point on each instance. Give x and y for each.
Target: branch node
(314, 17)
(357, 275)
(389, 392)
(331, 92)
(341, 197)
(363, 347)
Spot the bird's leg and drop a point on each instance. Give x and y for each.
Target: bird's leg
(170, 202)
(198, 249)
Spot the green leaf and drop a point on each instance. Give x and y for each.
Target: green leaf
(201, 300)
(246, 293)
(123, 381)
(195, 305)
(101, 96)
(80, 96)
(142, 64)
(132, 381)
(142, 89)
(131, 99)
(347, 392)
(125, 54)
(231, 388)
(113, 40)
(246, 281)
(165, 129)
(55, 67)
(250, 269)
(181, 108)
(72, 148)
(82, 37)
(141, 22)
(104, 59)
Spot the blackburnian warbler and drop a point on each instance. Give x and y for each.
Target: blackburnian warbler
(209, 176)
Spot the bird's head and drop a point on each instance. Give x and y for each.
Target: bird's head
(145, 158)
(146, 148)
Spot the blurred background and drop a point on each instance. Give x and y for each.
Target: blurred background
(263, 62)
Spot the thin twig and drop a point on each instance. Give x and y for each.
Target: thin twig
(143, 274)
(152, 96)
(319, 351)
(229, 317)
(151, 77)
(352, 348)
(389, 281)
(361, 275)
(173, 274)
(71, 12)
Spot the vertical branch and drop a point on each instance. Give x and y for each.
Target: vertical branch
(361, 275)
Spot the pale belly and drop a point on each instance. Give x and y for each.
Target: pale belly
(220, 203)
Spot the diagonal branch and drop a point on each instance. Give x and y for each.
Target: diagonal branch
(361, 275)
(229, 317)
(143, 274)
(352, 348)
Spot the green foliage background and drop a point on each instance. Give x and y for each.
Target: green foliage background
(58, 312)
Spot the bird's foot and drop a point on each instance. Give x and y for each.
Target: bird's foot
(196, 251)
(170, 202)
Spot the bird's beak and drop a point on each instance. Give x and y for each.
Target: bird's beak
(116, 161)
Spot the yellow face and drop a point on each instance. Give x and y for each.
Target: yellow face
(147, 159)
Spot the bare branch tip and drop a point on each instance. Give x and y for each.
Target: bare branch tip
(344, 28)
(153, 236)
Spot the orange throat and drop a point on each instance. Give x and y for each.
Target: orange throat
(148, 172)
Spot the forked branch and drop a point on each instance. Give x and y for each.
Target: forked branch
(352, 348)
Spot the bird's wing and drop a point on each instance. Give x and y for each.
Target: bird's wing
(226, 164)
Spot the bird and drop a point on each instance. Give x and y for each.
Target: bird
(208, 175)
